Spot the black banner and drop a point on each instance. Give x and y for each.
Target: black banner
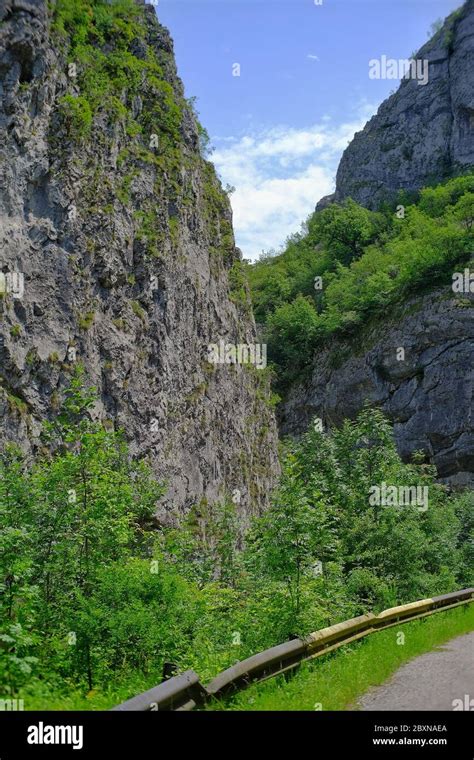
(107, 734)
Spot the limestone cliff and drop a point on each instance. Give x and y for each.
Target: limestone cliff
(423, 133)
(420, 135)
(123, 236)
(428, 396)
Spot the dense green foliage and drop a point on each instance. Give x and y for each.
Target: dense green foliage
(94, 601)
(367, 261)
(100, 38)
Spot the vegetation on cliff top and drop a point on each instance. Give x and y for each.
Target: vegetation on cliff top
(349, 263)
(99, 39)
(121, 72)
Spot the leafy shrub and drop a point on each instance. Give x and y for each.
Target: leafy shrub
(77, 114)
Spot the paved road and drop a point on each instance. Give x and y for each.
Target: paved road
(429, 682)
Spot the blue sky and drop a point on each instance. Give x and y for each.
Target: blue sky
(279, 128)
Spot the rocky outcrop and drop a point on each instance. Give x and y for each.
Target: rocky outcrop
(418, 366)
(423, 133)
(416, 363)
(123, 236)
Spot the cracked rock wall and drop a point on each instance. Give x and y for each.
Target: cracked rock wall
(422, 134)
(428, 396)
(129, 267)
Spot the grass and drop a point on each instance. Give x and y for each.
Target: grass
(45, 695)
(336, 681)
(86, 322)
(139, 311)
(17, 404)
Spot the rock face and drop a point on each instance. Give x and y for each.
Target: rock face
(423, 133)
(428, 395)
(420, 135)
(123, 237)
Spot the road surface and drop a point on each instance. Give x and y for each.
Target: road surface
(429, 682)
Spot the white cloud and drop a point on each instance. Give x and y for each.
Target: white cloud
(279, 175)
(313, 57)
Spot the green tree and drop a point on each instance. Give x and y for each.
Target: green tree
(345, 229)
(84, 505)
(286, 542)
(291, 334)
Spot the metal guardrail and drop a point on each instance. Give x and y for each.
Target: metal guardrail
(184, 692)
(170, 695)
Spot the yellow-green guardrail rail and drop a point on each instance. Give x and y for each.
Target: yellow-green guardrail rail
(185, 691)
